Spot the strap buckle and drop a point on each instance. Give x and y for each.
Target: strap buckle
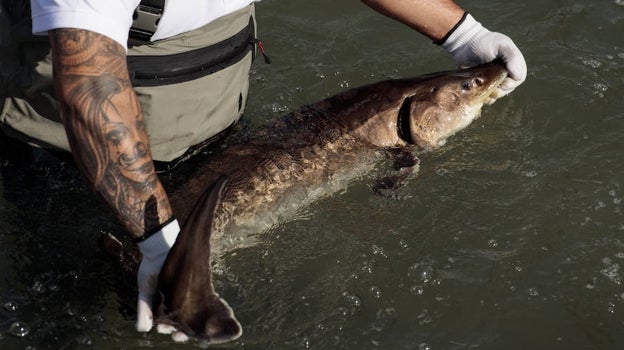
(145, 20)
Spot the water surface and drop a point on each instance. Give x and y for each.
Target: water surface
(510, 237)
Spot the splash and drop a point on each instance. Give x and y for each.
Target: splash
(19, 329)
(611, 271)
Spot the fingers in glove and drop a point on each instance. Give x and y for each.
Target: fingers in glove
(145, 317)
(165, 328)
(515, 64)
(177, 336)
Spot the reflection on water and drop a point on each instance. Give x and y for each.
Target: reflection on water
(509, 237)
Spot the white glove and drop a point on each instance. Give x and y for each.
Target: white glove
(471, 44)
(154, 249)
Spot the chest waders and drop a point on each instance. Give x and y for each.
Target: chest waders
(191, 86)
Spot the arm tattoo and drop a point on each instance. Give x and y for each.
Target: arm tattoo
(105, 128)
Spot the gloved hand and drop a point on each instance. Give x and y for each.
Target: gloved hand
(471, 44)
(154, 249)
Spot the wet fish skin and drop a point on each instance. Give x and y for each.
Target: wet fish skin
(295, 160)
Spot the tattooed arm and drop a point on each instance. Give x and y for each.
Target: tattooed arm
(107, 136)
(105, 127)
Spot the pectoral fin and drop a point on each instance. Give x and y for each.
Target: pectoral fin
(189, 302)
(405, 164)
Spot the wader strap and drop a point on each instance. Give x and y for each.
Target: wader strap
(149, 70)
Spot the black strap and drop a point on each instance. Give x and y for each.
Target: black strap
(186, 66)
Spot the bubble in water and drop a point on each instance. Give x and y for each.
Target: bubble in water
(424, 346)
(84, 340)
(69, 309)
(343, 311)
(492, 243)
(276, 108)
(529, 173)
(600, 88)
(306, 343)
(351, 300)
(19, 329)
(38, 287)
(367, 267)
(611, 307)
(611, 271)
(417, 290)
(377, 250)
(10, 306)
(375, 291)
(533, 292)
(441, 171)
(592, 63)
(421, 272)
(403, 244)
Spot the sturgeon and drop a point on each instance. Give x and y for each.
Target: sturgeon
(295, 160)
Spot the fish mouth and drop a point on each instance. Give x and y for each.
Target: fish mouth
(489, 94)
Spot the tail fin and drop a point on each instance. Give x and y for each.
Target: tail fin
(189, 301)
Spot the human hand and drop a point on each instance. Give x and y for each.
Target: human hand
(154, 249)
(471, 44)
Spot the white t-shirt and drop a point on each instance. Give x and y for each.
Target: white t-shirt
(113, 18)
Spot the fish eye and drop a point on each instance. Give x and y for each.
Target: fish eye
(467, 85)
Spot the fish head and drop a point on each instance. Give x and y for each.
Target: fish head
(447, 102)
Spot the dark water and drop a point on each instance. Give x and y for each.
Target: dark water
(510, 237)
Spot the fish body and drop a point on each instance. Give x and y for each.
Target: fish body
(294, 161)
(322, 147)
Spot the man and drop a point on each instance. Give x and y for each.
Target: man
(109, 99)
